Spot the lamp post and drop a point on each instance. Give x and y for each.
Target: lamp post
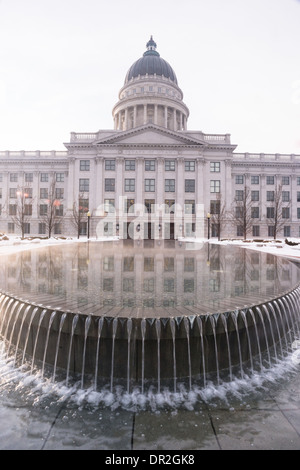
(208, 225)
(88, 224)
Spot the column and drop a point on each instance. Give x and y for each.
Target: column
(166, 116)
(71, 189)
(99, 181)
(145, 114)
(174, 120)
(155, 114)
(134, 116)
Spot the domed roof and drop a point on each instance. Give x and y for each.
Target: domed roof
(152, 64)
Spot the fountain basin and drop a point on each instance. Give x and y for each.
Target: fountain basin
(136, 314)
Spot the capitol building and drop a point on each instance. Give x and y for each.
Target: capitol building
(150, 177)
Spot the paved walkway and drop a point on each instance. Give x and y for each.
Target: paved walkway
(265, 420)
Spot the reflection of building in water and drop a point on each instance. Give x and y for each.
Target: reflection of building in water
(149, 177)
(108, 276)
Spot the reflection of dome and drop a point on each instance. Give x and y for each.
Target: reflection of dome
(152, 64)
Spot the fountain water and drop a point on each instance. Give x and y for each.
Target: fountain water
(167, 343)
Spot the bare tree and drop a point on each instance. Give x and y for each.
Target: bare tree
(21, 211)
(52, 214)
(218, 214)
(279, 211)
(79, 213)
(242, 215)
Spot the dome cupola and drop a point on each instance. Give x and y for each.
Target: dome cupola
(151, 64)
(150, 95)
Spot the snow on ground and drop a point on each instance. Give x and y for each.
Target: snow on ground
(13, 244)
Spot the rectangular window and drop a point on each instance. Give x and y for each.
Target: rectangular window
(43, 193)
(59, 193)
(271, 230)
(255, 212)
(58, 228)
(270, 180)
(285, 180)
(189, 165)
(28, 177)
(285, 212)
(0, 193)
(255, 230)
(59, 210)
(13, 177)
(13, 193)
(149, 205)
(11, 227)
(60, 177)
(149, 165)
(109, 206)
(109, 184)
(189, 206)
(285, 196)
(214, 186)
(43, 209)
(129, 206)
(44, 178)
(270, 212)
(286, 231)
(27, 228)
(169, 165)
(149, 185)
(239, 195)
(28, 193)
(42, 228)
(169, 186)
(215, 167)
(239, 231)
(129, 185)
(12, 209)
(27, 209)
(110, 165)
(254, 195)
(84, 165)
(239, 179)
(298, 212)
(298, 180)
(169, 206)
(129, 165)
(215, 207)
(254, 179)
(84, 184)
(298, 196)
(83, 205)
(270, 195)
(1, 177)
(189, 186)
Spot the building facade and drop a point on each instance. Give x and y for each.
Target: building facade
(150, 177)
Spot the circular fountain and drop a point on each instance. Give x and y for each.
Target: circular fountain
(147, 313)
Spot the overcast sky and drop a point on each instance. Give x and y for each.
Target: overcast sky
(63, 62)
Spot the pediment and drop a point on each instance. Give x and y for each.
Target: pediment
(149, 135)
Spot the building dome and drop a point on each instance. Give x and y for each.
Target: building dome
(151, 64)
(150, 94)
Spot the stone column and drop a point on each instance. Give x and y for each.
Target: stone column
(99, 181)
(166, 116)
(71, 182)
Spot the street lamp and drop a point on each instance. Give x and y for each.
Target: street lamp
(88, 225)
(208, 225)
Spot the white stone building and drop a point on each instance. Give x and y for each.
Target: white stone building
(149, 177)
